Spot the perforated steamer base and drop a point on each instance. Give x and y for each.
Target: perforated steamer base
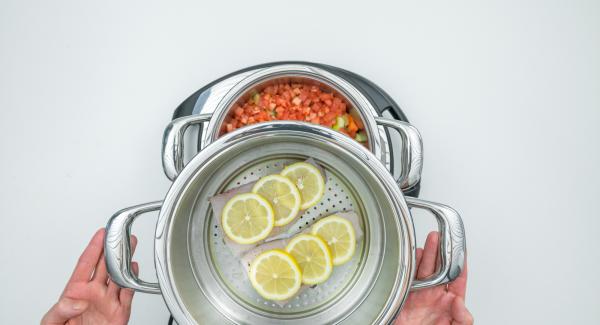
(204, 284)
(338, 197)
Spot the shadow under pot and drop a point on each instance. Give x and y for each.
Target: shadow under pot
(202, 282)
(214, 120)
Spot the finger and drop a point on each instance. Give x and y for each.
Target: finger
(113, 288)
(100, 273)
(89, 258)
(134, 242)
(459, 285)
(460, 313)
(430, 253)
(419, 256)
(63, 310)
(126, 295)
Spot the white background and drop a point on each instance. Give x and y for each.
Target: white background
(506, 95)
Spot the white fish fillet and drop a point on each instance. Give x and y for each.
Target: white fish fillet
(247, 259)
(218, 203)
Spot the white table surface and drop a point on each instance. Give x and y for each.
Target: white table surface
(506, 95)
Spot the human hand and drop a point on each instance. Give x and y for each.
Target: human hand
(90, 297)
(437, 305)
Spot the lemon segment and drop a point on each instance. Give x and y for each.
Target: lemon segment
(313, 257)
(339, 234)
(283, 196)
(247, 218)
(309, 181)
(275, 275)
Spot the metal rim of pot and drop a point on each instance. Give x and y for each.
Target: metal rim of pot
(411, 155)
(452, 240)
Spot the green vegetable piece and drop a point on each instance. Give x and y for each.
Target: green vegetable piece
(256, 98)
(339, 123)
(346, 120)
(361, 137)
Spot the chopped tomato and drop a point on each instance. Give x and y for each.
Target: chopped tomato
(238, 111)
(287, 101)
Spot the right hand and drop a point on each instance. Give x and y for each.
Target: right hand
(90, 297)
(440, 305)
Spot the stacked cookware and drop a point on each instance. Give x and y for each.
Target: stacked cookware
(203, 283)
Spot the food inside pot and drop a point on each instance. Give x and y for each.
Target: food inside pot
(279, 270)
(266, 201)
(281, 260)
(298, 102)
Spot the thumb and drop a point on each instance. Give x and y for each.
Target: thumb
(63, 310)
(460, 313)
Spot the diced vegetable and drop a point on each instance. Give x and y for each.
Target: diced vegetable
(339, 123)
(361, 137)
(352, 127)
(256, 98)
(291, 101)
(346, 119)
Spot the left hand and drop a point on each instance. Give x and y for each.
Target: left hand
(437, 305)
(90, 297)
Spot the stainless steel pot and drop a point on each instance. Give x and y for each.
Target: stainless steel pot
(202, 284)
(219, 106)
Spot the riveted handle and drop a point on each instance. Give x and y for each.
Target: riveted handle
(172, 148)
(117, 248)
(452, 242)
(412, 151)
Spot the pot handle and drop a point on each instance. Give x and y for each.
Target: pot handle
(412, 151)
(172, 148)
(452, 242)
(117, 248)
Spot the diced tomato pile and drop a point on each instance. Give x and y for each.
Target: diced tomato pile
(299, 102)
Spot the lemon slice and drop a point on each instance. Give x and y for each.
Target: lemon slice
(275, 275)
(313, 256)
(339, 235)
(283, 196)
(309, 181)
(247, 218)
